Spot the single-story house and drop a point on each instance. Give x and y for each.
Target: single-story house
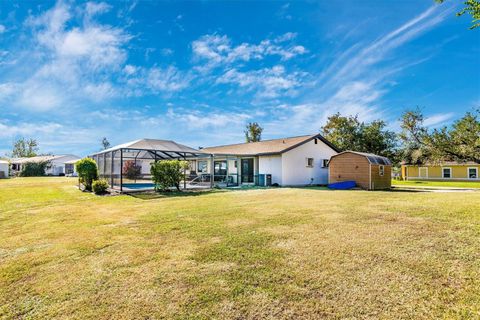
(4, 165)
(55, 163)
(294, 161)
(70, 169)
(369, 171)
(447, 170)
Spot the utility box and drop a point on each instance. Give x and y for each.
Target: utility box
(268, 180)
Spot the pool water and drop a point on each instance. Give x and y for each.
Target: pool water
(138, 185)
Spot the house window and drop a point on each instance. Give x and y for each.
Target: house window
(202, 166)
(324, 163)
(447, 172)
(310, 162)
(473, 173)
(381, 170)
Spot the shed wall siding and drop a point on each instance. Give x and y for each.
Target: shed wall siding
(381, 182)
(350, 167)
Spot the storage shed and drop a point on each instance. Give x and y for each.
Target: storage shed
(369, 171)
(3, 169)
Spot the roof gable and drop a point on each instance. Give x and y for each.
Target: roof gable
(273, 146)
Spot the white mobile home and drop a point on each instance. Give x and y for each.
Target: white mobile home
(55, 164)
(3, 169)
(294, 161)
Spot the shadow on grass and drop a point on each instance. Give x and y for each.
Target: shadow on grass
(151, 195)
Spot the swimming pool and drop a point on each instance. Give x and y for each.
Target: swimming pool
(136, 186)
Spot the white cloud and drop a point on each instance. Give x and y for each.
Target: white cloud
(27, 129)
(2, 28)
(208, 118)
(93, 8)
(169, 79)
(268, 82)
(436, 120)
(218, 49)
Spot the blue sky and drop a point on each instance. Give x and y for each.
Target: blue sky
(197, 72)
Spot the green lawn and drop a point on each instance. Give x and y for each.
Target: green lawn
(255, 254)
(452, 184)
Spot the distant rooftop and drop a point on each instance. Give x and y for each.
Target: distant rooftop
(39, 158)
(273, 146)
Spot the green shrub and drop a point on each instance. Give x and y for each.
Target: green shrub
(131, 170)
(87, 172)
(33, 169)
(168, 173)
(100, 186)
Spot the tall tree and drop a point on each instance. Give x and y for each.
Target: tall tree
(348, 133)
(105, 143)
(24, 148)
(471, 7)
(253, 132)
(343, 132)
(461, 142)
(412, 137)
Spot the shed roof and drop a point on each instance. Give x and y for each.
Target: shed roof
(153, 145)
(372, 158)
(273, 146)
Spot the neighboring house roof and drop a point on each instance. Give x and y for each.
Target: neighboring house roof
(154, 145)
(39, 158)
(445, 163)
(266, 147)
(372, 158)
(72, 161)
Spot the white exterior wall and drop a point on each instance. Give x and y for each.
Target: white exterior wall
(57, 166)
(4, 168)
(271, 165)
(294, 164)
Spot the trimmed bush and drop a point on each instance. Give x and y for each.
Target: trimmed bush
(100, 186)
(131, 170)
(33, 169)
(87, 172)
(167, 174)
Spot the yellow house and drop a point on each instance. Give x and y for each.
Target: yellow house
(468, 171)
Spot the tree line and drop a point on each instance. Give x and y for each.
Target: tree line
(414, 144)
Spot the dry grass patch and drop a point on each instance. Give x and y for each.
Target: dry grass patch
(257, 254)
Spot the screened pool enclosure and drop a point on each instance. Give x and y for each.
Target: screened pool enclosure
(127, 167)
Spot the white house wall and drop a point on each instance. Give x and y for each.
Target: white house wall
(57, 166)
(294, 164)
(271, 165)
(4, 168)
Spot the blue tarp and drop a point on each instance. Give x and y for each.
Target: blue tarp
(344, 185)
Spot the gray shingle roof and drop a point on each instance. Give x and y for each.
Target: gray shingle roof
(274, 146)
